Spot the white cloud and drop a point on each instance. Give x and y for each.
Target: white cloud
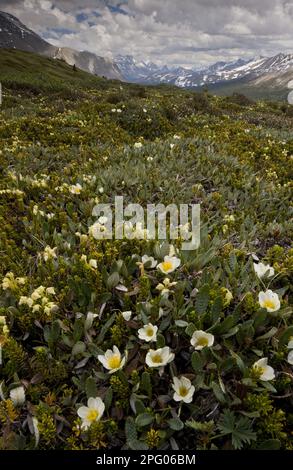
(179, 32)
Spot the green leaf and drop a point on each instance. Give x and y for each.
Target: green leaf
(176, 424)
(224, 326)
(216, 309)
(233, 262)
(130, 429)
(202, 299)
(260, 318)
(269, 386)
(55, 331)
(197, 361)
(113, 280)
(91, 387)
(52, 334)
(285, 337)
(108, 398)
(204, 426)
(239, 361)
(146, 384)
(190, 329)
(181, 323)
(78, 348)
(135, 444)
(160, 340)
(78, 329)
(218, 392)
(240, 428)
(144, 419)
(269, 334)
(270, 444)
(105, 328)
(139, 406)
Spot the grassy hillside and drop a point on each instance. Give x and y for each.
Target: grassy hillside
(39, 73)
(253, 90)
(67, 141)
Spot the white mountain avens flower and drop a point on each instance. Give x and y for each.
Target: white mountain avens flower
(269, 300)
(159, 357)
(200, 339)
(263, 270)
(92, 412)
(17, 395)
(265, 372)
(112, 360)
(75, 188)
(183, 389)
(127, 315)
(290, 344)
(169, 264)
(148, 333)
(149, 261)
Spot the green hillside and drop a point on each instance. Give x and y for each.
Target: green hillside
(255, 92)
(68, 141)
(41, 73)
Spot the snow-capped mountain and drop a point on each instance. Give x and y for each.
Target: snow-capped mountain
(15, 35)
(216, 73)
(135, 71)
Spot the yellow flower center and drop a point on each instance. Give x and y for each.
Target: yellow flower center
(183, 391)
(157, 358)
(114, 362)
(92, 415)
(167, 265)
(260, 370)
(269, 303)
(149, 331)
(202, 341)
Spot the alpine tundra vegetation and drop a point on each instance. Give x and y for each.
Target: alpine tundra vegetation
(139, 344)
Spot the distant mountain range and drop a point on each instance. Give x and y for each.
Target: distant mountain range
(265, 73)
(260, 69)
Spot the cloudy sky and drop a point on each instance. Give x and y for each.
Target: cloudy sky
(174, 32)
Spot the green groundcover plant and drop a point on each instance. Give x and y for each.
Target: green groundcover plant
(138, 344)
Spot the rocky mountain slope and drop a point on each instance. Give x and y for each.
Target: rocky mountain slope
(15, 35)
